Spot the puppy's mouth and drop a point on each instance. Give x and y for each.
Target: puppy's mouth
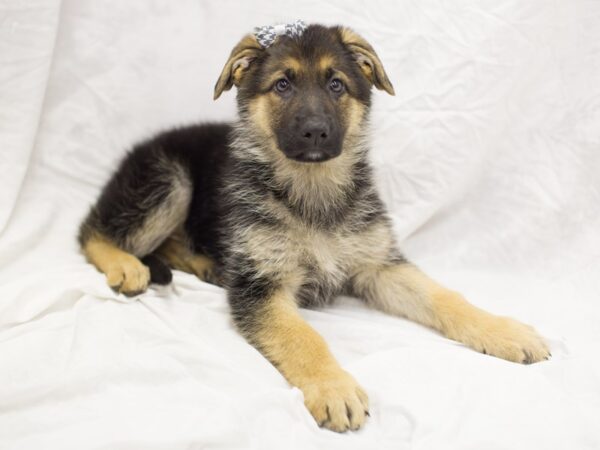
(312, 156)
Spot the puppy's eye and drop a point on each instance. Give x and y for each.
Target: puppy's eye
(282, 85)
(336, 85)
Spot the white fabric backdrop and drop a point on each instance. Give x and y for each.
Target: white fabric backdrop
(488, 157)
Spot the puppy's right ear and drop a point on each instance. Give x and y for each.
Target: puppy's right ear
(236, 66)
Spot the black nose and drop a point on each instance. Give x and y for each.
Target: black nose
(315, 131)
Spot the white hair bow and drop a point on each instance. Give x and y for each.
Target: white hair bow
(266, 35)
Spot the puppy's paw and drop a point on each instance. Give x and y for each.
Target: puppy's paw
(514, 341)
(212, 277)
(203, 267)
(336, 401)
(127, 274)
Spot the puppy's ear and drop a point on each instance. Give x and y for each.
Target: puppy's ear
(367, 60)
(236, 66)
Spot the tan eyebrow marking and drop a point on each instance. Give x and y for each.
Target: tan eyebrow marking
(270, 81)
(290, 68)
(326, 65)
(292, 63)
(342, 76)
(325, 62)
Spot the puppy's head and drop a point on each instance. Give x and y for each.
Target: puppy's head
(306, 94)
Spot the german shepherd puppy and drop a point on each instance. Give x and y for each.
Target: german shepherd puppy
(280, 208)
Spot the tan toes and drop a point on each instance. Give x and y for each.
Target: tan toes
(115, 277)
(336, 402)
(128, 275)
(514, 341)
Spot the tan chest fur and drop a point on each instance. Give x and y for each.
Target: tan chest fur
(296, 255)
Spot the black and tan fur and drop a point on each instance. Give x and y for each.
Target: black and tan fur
(280, 227)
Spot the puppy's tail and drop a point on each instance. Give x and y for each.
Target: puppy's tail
(160, 272)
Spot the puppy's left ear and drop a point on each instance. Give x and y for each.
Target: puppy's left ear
(242, 55)
(367, 60)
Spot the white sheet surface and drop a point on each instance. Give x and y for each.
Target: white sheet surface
(488, 157)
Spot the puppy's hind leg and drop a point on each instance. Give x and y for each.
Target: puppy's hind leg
(144, 202)
(177, 252)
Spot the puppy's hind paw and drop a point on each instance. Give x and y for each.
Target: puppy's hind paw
(128, 275)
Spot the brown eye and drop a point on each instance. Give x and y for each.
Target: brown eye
(282, 85)
(336, 85)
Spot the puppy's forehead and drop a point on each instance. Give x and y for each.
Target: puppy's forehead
(310, 52)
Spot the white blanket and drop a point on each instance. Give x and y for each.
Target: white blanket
(488, 158)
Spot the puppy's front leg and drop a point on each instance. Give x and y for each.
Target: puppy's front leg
(274, 326)
(402, 289)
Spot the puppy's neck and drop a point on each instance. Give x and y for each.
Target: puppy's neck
(315, 185)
